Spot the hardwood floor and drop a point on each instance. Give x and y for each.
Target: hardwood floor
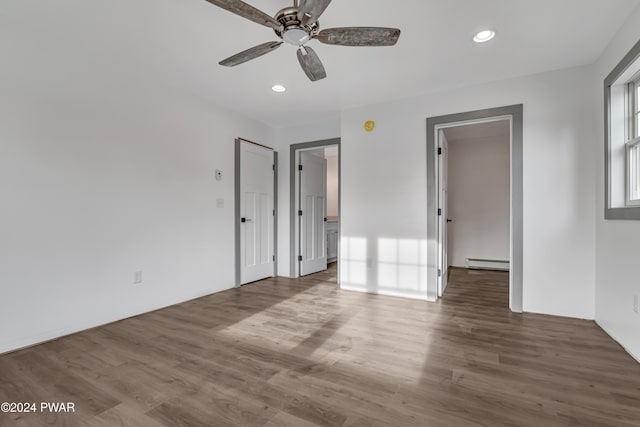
(302, 353)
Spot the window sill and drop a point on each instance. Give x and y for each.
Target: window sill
(626, 213)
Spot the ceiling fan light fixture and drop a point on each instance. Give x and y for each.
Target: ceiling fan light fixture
(484, 36)
(278, 88)
(296, 37)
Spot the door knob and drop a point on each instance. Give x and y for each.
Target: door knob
(449, 220)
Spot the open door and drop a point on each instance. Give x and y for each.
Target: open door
(257, 212)
(443, 262)
(312, 213)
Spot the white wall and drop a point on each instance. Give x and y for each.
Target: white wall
(284, 138)
(384, 206)
(102, 175)
(617, 252)
(478, 199)
(332, 185)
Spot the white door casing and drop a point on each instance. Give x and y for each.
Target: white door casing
(313, 206)
(257, 212)
(443, 262)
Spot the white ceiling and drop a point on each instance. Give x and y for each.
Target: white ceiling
(500, 129)
(175, 45)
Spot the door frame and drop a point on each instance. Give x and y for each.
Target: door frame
(237, 223)
(294, 267)
(443, 220)
(317, 222)
(434, 124)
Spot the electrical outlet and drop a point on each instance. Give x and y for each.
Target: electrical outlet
(137, 277)
(220, 203)
(635, 303)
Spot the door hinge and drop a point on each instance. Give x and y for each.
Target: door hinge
(439, 151)
(274, 212)
(299, 167)
(439, 272)
(299, 213)
(299, 257)
(273, 167)
(274, 257)
(439, 212)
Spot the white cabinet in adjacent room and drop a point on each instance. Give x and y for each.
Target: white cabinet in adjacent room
(332, 240)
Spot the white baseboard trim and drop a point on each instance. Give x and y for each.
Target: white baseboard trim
(51, 335)
(41, 338)
(612, 336)
(383, 293)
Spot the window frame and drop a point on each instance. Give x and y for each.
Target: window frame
(634, 93)
(629, 168)
(628, 139)
(632, 137)
(633, 108)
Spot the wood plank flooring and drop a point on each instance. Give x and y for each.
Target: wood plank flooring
(302, 353)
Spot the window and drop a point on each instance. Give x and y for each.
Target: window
(633, 143)
(633, 154)
(635, 90)
(622, 160)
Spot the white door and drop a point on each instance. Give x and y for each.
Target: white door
(313, 208)
(256, 212)
(443, 262)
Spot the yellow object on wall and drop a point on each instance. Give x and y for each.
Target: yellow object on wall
(369, 125)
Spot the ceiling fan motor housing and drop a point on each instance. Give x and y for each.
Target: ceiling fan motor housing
(293, 31)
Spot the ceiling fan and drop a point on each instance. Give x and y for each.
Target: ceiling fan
(297, 25)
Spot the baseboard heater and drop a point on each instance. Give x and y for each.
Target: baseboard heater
(487, 264)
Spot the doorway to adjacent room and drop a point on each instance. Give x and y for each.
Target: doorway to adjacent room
(315, 208)
(437, 199)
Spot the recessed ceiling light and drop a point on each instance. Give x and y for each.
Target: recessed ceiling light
(484, 36)
(278, 88)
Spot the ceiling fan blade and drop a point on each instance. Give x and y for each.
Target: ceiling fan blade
(311, 64)
(247, 11)
(360, 36)
(250, 54)
(312, 8)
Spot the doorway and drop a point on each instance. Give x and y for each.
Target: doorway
(437, 195)
(473, 201)
(315, 208)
